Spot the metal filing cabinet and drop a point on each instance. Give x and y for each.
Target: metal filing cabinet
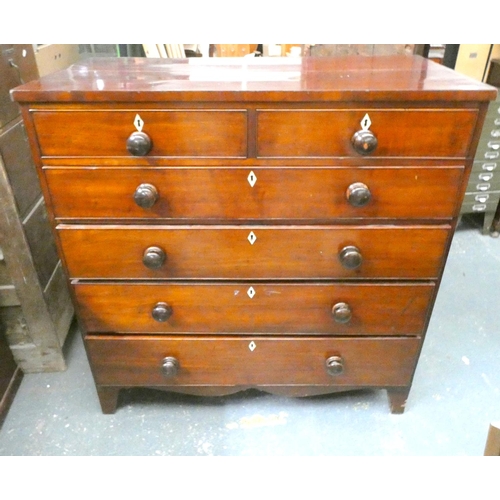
(483, 190)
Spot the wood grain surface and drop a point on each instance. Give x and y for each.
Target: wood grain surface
(291, 193)
(377, 309)
(229, 361)
(278, 252)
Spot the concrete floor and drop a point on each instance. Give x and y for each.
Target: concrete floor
(455, 395)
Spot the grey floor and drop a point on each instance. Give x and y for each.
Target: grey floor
(455, 395)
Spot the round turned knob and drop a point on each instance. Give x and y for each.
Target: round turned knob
(341, 312)
(334, 365)
(161, 312)
(358, 194)
(139, 144)
(170, 367)
(154, 257)
(145, 195)
(350, 257)
(364, 142)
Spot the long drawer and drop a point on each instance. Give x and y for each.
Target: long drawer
(348, 309)
(138, 361)
(400, 132)
(254, 193)
(253, 252)
(174, 133)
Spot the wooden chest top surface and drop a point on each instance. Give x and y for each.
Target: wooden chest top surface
(355, 78)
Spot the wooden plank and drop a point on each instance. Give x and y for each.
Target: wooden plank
(19, 165)
(59, 303)
(41, 243)
(40, 348)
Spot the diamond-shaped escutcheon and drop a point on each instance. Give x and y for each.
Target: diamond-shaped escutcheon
(251, 292)
(252, 238)
(252, 179)
(366, 122)
(138, 123)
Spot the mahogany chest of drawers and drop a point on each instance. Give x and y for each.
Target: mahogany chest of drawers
(273, 223)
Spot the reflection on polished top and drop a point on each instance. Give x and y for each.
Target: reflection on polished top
(266, 79)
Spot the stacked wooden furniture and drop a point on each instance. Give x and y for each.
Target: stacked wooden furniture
(278, 224)
(35, 304)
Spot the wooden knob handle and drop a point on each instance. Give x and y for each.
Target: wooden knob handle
(358, 194)
(154, 257)
(341, 312)
(139, 144)
(334, 365)
(161, 312)
(350, 257)
(170, 367)
(364, 142)
(146, 195)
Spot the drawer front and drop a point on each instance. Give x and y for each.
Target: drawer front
(137, 361)
(173, 133)
(400, 132)
(255, 193)
(258, 252)
(254, 308)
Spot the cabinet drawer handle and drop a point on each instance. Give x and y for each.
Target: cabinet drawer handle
(341, 312)
(364, 142)
(334, 365)
(358, 194)
(154, 257)
(145, 195)
(139, 144)
(170, 367)
(350, 257)
(161, 312)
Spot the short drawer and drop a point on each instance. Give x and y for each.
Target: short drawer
(253, 252)
(347, 309)
(174, 133)
(248, 361)
(254, 193)
(399, 132)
